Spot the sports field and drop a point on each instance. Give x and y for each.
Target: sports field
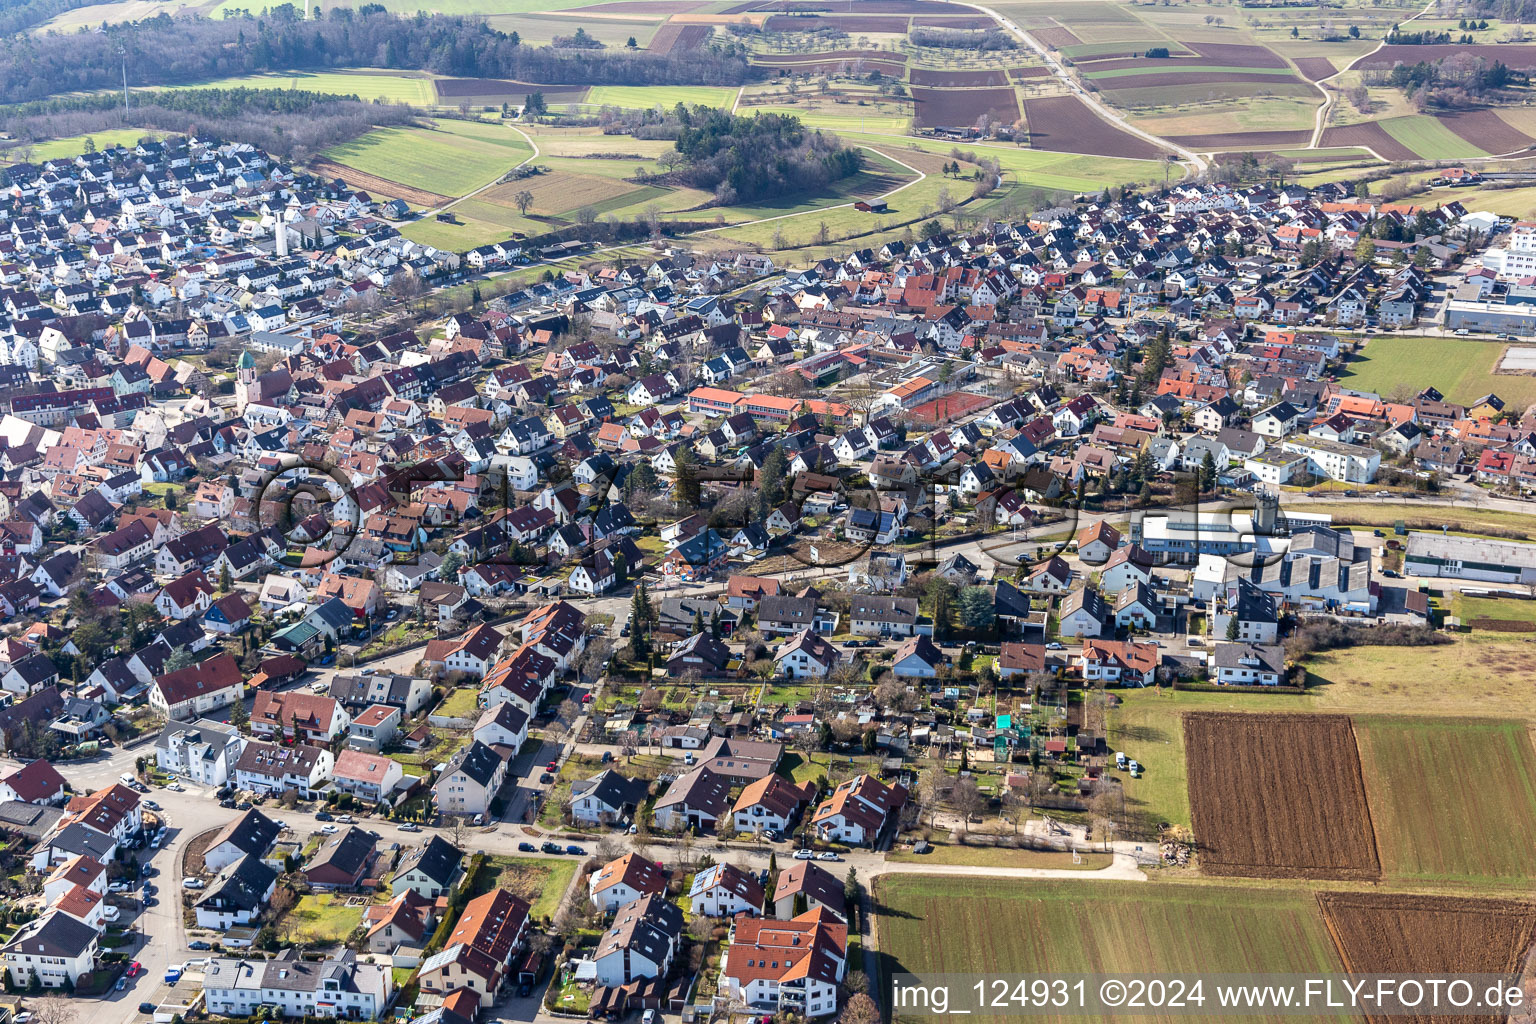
(644, 97)
(1453, 801)
(1461, 369)
(452, 159)
(1429, 138)
(1061, 927)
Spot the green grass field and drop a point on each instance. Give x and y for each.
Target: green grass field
(1461, 369)
(393, 87)
(1429, 138)
(541, 882)
(644, 97)
(453, 159)
(1063, 927)
(1452, 801)
(1468, 609)
(324, 919)
(56, 149)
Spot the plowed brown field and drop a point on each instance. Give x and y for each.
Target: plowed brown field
(1276, 795)
(1065, 124)
(1371, 134)
(1486, 130)
(1057, 37)
(961, 108)
(1315, 68)
(1391, 933)
(958, 79)
(851, 23)
(377, 186)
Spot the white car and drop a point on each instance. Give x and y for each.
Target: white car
(804, 855)
(328, 829)
(410, 826)
(827, 855)
(192, 883)
(174, 787)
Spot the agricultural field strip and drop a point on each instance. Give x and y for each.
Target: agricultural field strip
(1279, 795)
(1481, 833)
(1153, 68)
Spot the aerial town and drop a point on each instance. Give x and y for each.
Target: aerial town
(688, 636)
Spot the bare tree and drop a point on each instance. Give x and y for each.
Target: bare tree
(968, 800)
(458, 830)
(524, 200)
(54, 1010)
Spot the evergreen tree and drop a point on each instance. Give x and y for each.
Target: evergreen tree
(686, 490)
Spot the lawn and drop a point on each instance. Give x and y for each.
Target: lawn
(324, 919)
(999, 857)
(1059, 927)
(1452, 801)
(1463, 518)
(1476, 676)
(1462, 370)
(1429, 138)
(390, 86)
(452, 159)
(644, 97)
(1069, 172)
(459, 704)
(1470, 609)
(541, 882)
(445, 743)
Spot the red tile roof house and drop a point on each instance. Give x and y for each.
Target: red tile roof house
(621, 882)
(199, 690)
(317, 719)
(36, 783)
(858, 810)
(791, 965)
(406, 920)
(480, 949)
(770, 804)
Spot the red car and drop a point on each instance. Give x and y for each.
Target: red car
(134, 968)
(553, 766)
(587, 698)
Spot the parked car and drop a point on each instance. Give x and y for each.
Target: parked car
(324, 816)
(192, 883)
(478, 819)
(329, 830)
(345, 819)
(200, 944)
(134, 968)
(827, 855)
(244, 805)
(122, 983)
(575, 851)
(152, 805)
(410, 826)
(146, 1007)
(804, 855)
(551, 848)
(526, 848)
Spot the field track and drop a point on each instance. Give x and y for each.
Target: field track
(378, 186)
(1389, 933)
(1279, 796)
(1065, 124)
